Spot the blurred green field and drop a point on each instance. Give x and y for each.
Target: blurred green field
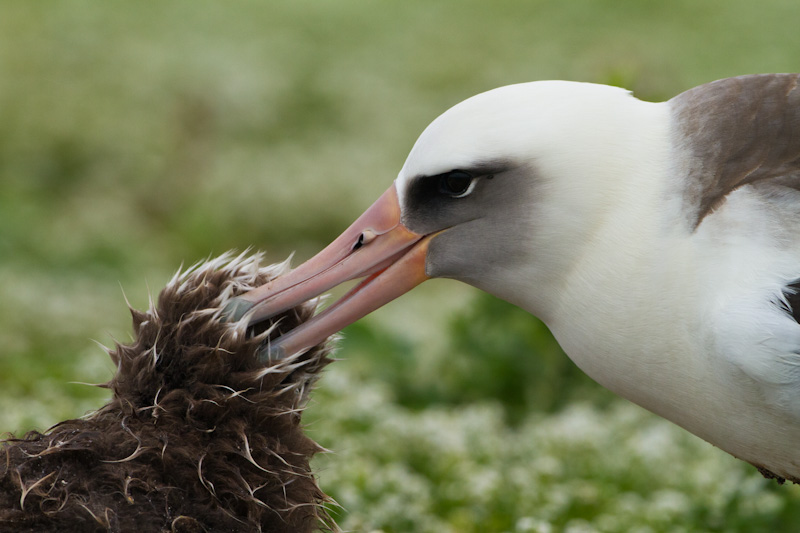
(138, 136)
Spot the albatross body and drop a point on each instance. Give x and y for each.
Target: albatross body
(660, 243)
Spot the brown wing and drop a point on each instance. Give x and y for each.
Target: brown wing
(734, 132)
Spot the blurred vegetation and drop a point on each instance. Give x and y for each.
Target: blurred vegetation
(138, 136)
(478, 361)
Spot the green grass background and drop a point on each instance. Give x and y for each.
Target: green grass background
(136, 136)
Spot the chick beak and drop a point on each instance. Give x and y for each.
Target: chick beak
(377, 247)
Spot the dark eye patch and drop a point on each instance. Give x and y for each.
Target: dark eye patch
(455, 183)
(435, 201)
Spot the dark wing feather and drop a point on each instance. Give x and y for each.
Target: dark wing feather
(735, 132)
(792, 294)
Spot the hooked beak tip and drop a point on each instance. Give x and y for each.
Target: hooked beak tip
(236, 309)
(271, 352)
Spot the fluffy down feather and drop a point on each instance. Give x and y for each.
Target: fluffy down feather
(198, 436)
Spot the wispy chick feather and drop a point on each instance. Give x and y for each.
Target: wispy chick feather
(198, 436)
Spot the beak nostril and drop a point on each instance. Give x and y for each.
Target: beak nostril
(365, 237)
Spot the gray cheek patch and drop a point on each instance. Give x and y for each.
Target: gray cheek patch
(485, 228)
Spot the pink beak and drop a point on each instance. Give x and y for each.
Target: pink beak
(376, 246)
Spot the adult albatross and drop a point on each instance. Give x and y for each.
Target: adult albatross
(660, 243)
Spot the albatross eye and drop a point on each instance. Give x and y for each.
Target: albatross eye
(455, 183)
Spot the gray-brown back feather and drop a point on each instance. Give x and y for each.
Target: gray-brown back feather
(735, 132)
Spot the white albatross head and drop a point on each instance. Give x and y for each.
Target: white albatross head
(499, 192)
